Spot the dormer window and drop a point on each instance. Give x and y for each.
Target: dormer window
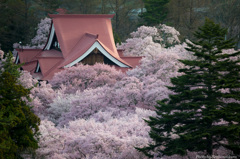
(38, 69)
(55, 44)
(53, 41)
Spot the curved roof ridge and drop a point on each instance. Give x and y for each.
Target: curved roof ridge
(49, 33)
(111, 53)
(50, 53)
(84, 43)
(87, 37)
(30, 62)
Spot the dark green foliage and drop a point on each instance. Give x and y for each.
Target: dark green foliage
(17, 22)
(206, 94)
(156, 11)
(18, 125)
(45, 7)
(9, 66)
(116, 38)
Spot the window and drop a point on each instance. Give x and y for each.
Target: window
(38, 69)
(55, 44)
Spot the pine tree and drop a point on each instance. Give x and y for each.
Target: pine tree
(9, 66)
(18, 20)
(156, 11)
(204, 112)
(18, 124)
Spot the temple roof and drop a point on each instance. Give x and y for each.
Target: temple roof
(77, 36)
(70, 28)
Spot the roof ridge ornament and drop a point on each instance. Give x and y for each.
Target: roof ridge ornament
(61, 11)
(92, 35)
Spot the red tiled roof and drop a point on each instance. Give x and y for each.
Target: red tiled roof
(75, 34)
(51, 74)
(47, 64)
(30, 66)
(113, 54)
(50, 53)
(77, 38)
(71, 27)
(86, 41)
(120, 52)
(26, 55)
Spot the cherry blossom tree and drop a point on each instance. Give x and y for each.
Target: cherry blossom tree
(82, 77)
(155, 72)
(1, 54)
(146, 38)
(104, 135)
(42, 93)
(103, 121)
(124, 95)
(39, 41)
(27, 80)
(96, 111)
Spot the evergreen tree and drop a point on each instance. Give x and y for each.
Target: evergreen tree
(204, 112)
(9, 66)
(46, 7)
(18, 124)
(17, 22)
(156, 11)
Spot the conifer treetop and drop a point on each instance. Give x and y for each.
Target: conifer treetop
(205, 103)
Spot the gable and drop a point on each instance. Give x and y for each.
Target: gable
(71, 28)
(46, 64)
(94, 57)
(30, 66)
(102, 50)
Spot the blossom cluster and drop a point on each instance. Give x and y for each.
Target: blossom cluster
(150, 38)
(97, 112)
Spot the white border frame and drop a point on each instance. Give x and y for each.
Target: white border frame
(102, 50)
